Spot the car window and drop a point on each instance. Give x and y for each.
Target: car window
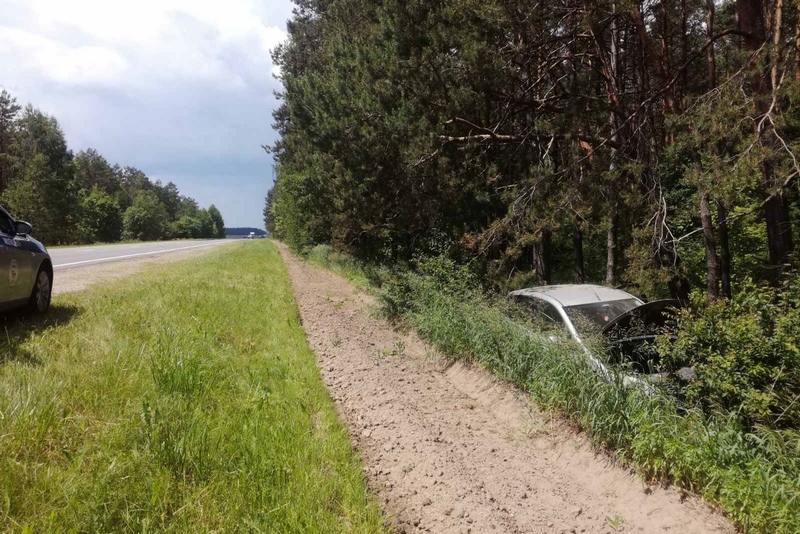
(542, 312)
(592, 318)
(6, 224)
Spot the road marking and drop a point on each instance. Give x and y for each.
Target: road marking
(101, 260)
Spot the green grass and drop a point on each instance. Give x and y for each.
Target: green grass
(184, 399)
(364, 276)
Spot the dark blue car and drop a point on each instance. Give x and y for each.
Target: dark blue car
(26, 271)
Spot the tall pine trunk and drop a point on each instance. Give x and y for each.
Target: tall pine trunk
(611, 250)
(717, 268)
(751, 14)
(724, 251)
(712, 264)
(541, 263)
(577, 245)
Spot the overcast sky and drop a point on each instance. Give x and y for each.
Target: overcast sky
(181, 89)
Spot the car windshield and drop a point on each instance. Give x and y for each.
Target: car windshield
(592, 318)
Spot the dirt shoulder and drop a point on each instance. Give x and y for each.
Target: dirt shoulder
(450, 449)
(81, 277)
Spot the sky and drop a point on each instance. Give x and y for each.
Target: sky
(181, 89)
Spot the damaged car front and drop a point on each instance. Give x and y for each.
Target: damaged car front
(626, 326)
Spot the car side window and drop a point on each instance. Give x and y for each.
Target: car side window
(543, 312)
(6, 224)
(549, 314)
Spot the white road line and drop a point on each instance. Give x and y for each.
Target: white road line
(101, 260)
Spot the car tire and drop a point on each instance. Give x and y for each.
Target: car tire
(42, 292)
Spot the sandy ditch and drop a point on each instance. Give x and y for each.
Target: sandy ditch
(451, 449)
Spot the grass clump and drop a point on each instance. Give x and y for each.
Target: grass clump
(182, 400)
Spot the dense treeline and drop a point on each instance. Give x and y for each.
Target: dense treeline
(643, 144)
(81, 198)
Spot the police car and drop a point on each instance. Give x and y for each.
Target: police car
(26, 271)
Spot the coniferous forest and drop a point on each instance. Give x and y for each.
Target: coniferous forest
(641, 144)
(81, 198)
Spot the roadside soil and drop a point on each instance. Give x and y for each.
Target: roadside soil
(447, 448)
(82, 276)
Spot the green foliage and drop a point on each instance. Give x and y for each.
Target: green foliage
(746, 354)
(365, 276)
(217, 221)
(145, 219)
(417, 124)
(93, 171)
(34, 197)
(185, 399)
(101, 217)
(187, 227)
(9, 109)
(295, 215)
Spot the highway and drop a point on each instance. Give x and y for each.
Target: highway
(64, 258)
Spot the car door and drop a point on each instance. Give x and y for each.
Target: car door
(7, 245)
(16, 275)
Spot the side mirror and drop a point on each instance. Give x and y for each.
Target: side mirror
(23, 228)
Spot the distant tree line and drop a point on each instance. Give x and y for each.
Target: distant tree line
(82, 198)
(641, 144)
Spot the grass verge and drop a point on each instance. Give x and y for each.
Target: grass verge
(362, 275)
(753, 476)
(182, 400)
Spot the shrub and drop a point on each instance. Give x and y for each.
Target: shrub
(745, 354)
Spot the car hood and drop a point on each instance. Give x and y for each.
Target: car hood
(642, 321)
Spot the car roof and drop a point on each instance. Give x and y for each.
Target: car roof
(574, 294)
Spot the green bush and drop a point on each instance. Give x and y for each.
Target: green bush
(746, 354)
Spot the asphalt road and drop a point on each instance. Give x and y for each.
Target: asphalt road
(64, 258)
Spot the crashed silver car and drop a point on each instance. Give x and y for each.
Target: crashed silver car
(26, 271)
(627, 323)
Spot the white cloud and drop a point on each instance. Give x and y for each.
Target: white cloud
(174, 87)
(60, 63)
(145, 42)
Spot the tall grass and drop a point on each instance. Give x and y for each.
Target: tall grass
(182, 400)
(753, 476)
(363, 275)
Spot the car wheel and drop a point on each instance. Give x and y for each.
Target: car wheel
(42, 292)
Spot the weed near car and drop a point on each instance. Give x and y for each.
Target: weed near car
(185, 399)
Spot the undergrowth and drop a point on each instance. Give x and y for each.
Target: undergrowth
(752, 474)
